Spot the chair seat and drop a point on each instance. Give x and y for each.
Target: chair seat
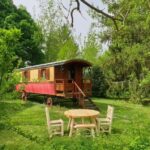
(85, 126)
(60, 121)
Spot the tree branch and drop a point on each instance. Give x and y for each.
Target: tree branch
(113, 18)
(99, 11)
(72, 11)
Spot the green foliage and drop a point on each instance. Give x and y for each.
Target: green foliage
(118, 89)
(20, 40)
(91, 48)
(8, 41)
(68, 50)
(30, 38)
(58, 39)
(145, 85)
(135, 91)
(129, 44)
(146, 80)
(9, 83)
(60, 44)
(99, 84)
(120, 66)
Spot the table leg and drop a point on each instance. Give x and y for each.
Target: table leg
(71, 127)
(68, 127)
(94, 122)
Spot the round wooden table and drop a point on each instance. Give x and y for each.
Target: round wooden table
(80, 113)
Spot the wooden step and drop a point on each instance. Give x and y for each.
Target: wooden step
(89, 104)
(60, 94)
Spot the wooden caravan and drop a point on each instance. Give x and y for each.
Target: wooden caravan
(61, 78)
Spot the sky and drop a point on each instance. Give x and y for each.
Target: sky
(81, 23)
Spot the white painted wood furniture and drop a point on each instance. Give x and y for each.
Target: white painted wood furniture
(54, 126)
(105, 124)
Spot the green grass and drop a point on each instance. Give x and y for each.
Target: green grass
(23, 126)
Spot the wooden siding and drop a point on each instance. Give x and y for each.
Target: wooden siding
(52, 74)
(36, 75)
(59, 73)
(33, 75)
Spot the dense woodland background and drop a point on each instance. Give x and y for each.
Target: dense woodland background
(122, 71)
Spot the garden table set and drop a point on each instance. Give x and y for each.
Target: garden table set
(81, 119)
(74, 114)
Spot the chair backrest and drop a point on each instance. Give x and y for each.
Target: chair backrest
(110, 111)
(47, 116)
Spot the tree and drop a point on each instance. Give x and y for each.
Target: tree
(8, 59)
(59, 41)
(128, 50)
(130, 45)
(68, 47)
(12, 17)
(91, 49)
(99, 84)
(68, 50)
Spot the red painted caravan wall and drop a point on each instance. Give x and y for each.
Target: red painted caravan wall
(37, 88)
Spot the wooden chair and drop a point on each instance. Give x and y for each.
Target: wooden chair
(105, 124)
(54, 126)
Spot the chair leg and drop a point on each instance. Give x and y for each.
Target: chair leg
(50, 133)
(62, 130)
(98, 127)
(93, 120)
(109, 130)
(92, 132)
(77, 131)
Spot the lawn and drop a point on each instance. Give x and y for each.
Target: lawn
(23, 126)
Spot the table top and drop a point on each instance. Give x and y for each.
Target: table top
(79, 113)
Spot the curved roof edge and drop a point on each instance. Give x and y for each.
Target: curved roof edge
(59, 63)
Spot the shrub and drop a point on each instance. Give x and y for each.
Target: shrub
(118, 89)
(99, 84)
(8, 85)
(135, 91)
(145, 85)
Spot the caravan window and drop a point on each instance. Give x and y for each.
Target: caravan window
(26, 75)
(44, 74)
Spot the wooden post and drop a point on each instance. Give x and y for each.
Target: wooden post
(49, 102)
(24, 95)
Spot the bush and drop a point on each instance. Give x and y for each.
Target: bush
(99, 84)
(8, 86)
(140, 89)
(145, 85)
(135, 91)
(118, 89)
